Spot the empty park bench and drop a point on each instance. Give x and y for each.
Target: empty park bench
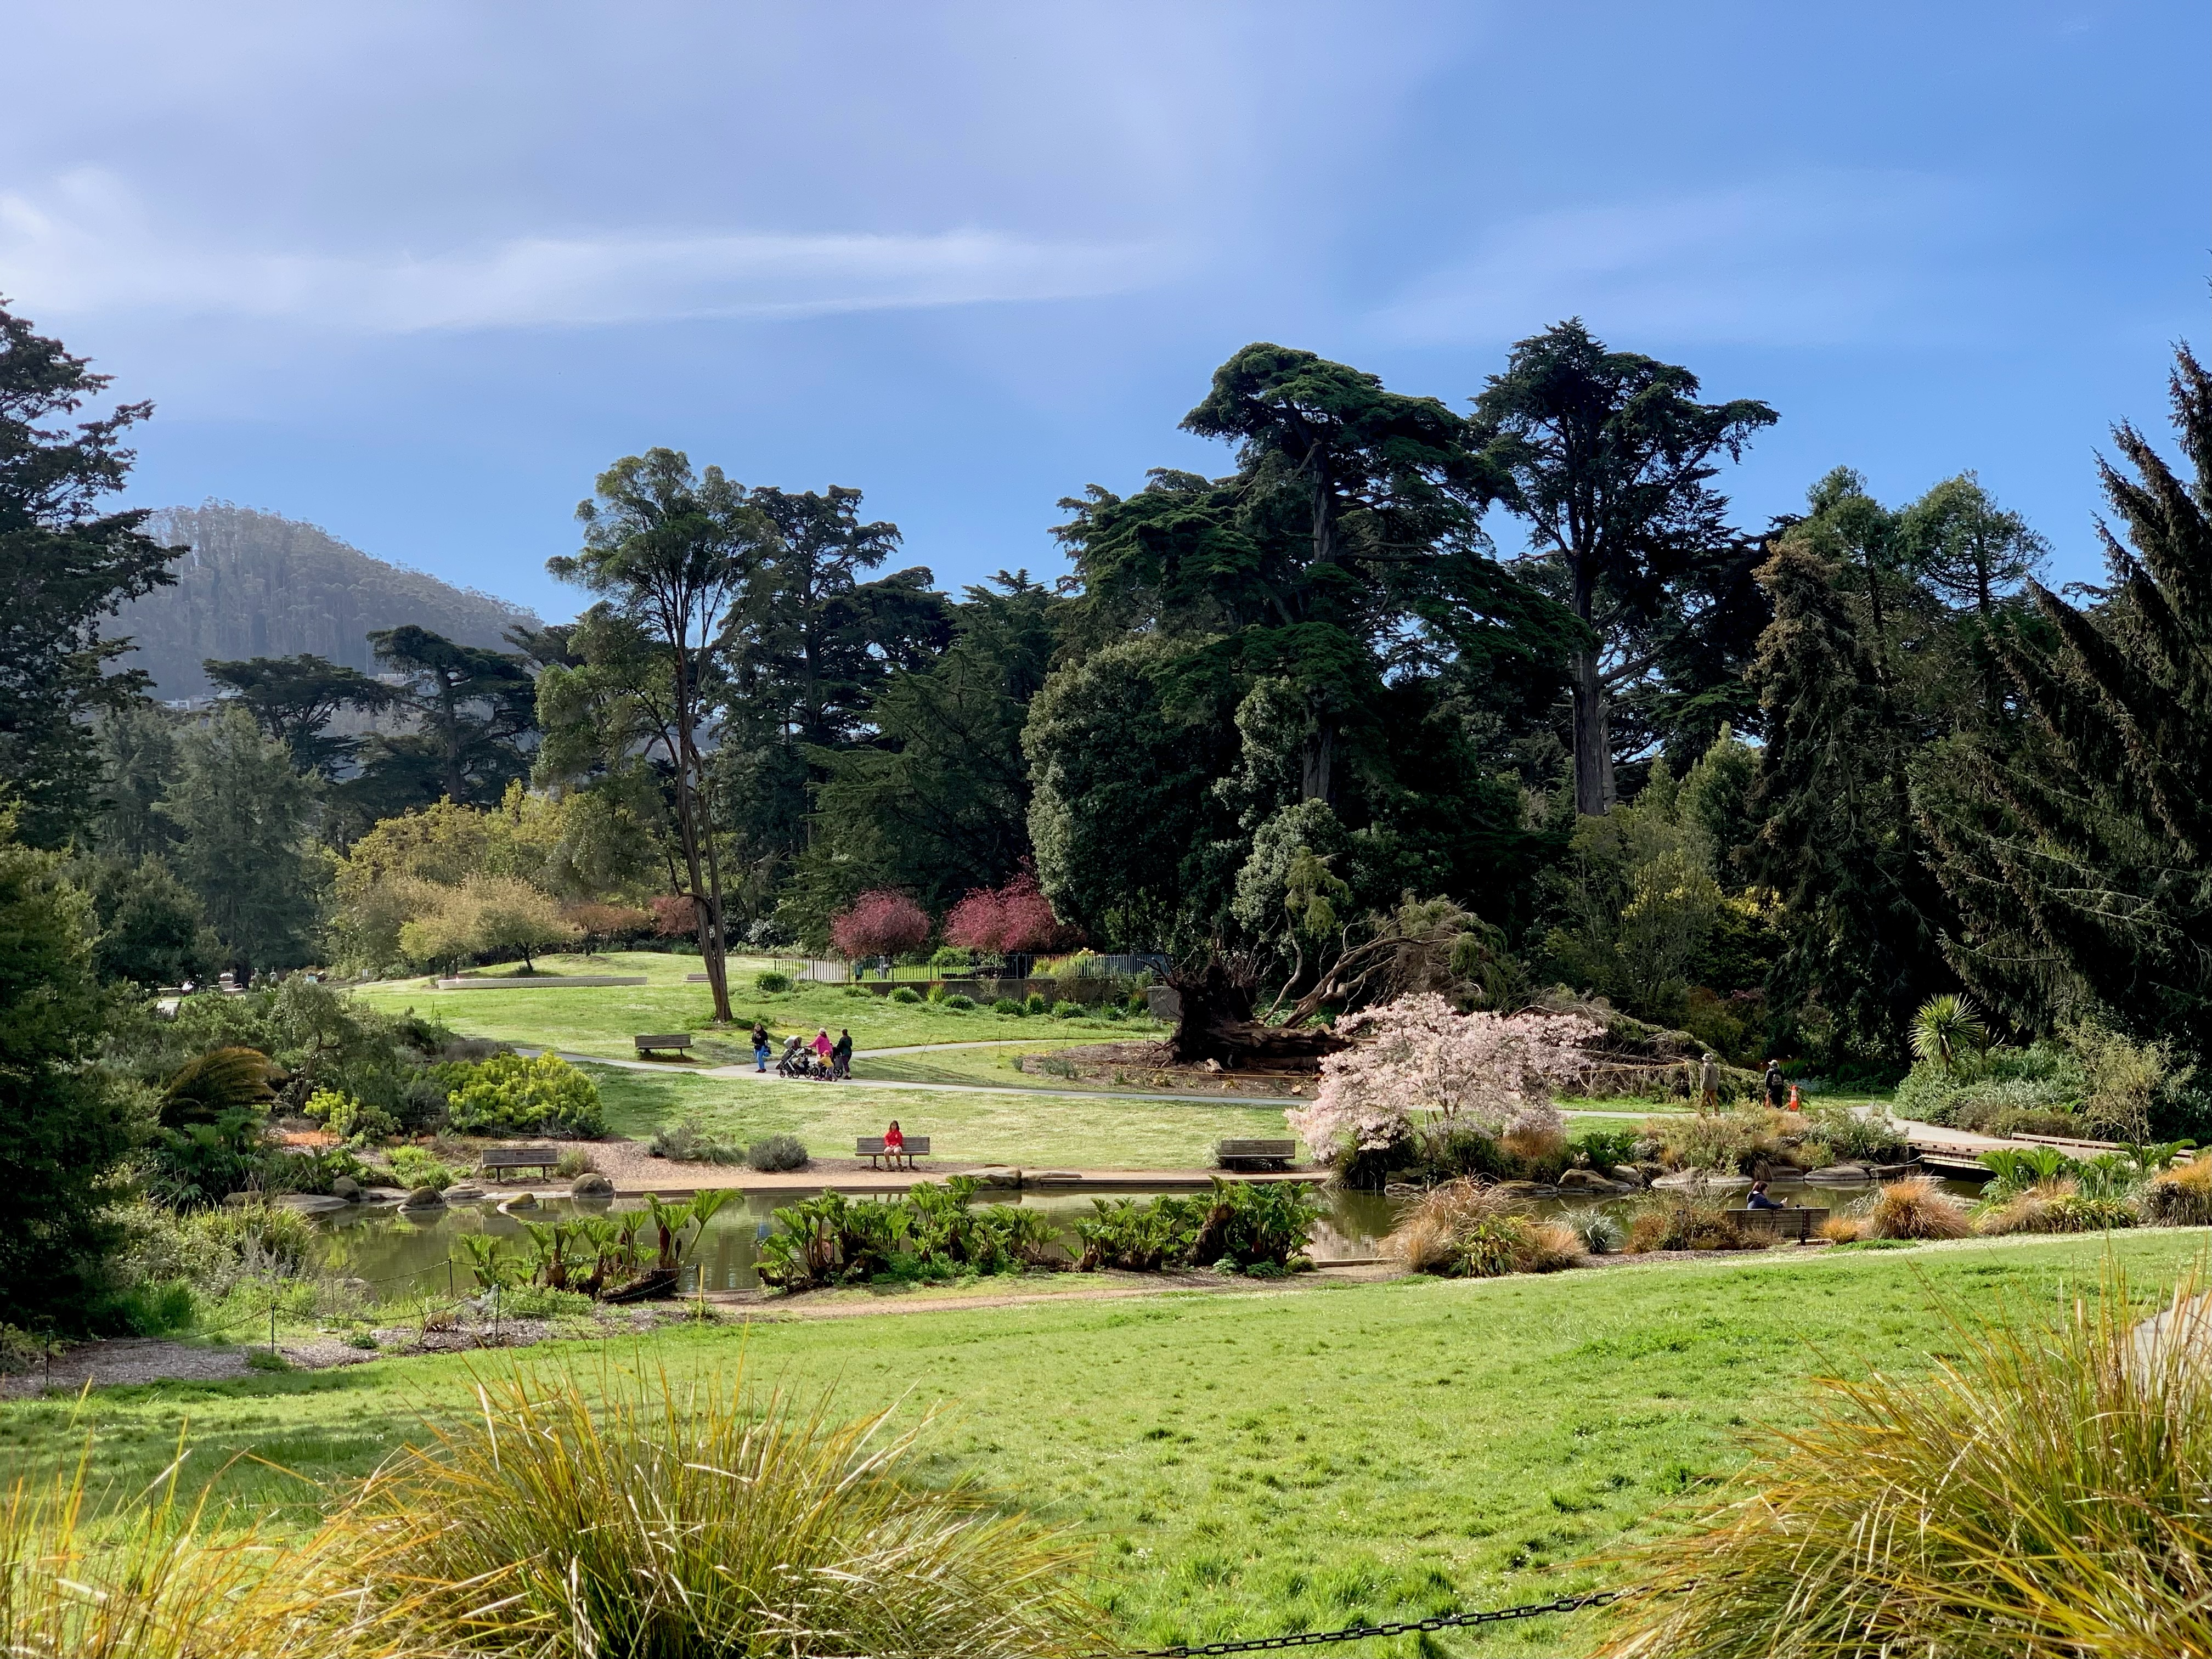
(1255, 1154)
(497, 1159)
(677, 1041)
(872, 1148)
(1792, 1223)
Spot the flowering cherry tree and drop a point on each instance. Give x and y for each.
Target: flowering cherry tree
(1418, 1060)
(880, 924)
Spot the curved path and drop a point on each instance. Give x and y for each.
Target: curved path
(726, 1074)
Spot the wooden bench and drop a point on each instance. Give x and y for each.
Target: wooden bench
(679, 1041)
(1797, 1223)
(496, 1158)
(1255, 1154)
(872, 1148)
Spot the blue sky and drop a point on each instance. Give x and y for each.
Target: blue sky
(416, 272)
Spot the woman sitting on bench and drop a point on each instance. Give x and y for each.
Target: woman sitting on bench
(1759, 1200)
(895, 1143)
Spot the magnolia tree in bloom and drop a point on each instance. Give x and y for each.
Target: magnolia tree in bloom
(1420, 1060)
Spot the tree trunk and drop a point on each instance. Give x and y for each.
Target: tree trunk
(1317, 762)
(1216, 1023)
(1592, 737)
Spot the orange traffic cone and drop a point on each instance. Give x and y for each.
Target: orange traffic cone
(1795, 1105)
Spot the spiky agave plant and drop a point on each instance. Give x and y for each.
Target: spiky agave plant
(2043, 1496)
(673, 1518)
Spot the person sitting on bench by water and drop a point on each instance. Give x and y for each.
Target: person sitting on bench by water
(1759, 1200)
(895, 1143)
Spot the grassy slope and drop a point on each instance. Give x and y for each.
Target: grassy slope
(602, 1019)
(1259, 1465)
(1033, 1131)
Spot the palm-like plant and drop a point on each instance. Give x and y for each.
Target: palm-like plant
(1944, 1026)
(219, 1081)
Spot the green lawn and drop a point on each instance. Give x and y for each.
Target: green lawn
(1033, 1131)
(602, 1019)
(1262, 1464)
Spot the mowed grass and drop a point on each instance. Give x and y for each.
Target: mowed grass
(602, 1019)
(1256, 1464)
(1035, 1132)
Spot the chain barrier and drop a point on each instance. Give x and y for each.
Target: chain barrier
(1407, 1627)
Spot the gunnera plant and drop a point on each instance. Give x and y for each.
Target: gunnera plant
(2040, 1493)
(653, 1515)
(775, 1154)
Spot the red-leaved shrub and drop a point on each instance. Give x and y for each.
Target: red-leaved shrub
(675, 915)
(880, 924)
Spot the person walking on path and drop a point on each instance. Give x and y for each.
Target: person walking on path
(760, 1046)
(1777, 1086)
(1708, 1085)
(841, 1055)
(821, 1046)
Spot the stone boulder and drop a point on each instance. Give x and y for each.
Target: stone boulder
(347, 1187)
(1526, 1190)
(1590, 1180)
(425, 1198)
(591, 1184)
(1839, 1174)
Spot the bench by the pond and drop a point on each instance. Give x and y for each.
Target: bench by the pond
(677, 1041)
(872, 1148)
(1255, 1154)
(1792, 1223)
(497, 1158)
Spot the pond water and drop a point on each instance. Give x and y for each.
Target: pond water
(404, 1252)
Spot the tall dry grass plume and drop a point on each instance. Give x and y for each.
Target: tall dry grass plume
(673, 1519)
(2181, 1196)
(2042, 1495)
(1916, 1208)
(1467, 1228)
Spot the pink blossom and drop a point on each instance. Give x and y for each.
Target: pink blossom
(1014, 917)
(1420, 1061)
(880, 924)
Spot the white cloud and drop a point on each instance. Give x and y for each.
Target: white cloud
(1814, 258)
(89, 248)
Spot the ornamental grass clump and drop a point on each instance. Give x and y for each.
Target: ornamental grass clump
(693, 1517)
(2181, 1196)
(2055, 1207)
(1918, 1208)
(164, 1579)
(1469, 1229)
(1687, 1221)
(2041, 1494)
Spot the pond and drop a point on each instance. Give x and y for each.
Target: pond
(404, 1252)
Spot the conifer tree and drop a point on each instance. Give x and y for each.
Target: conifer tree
(2081, 856)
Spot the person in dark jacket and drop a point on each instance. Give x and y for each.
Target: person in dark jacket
(841, 1055)
(1777, 1086)
(760, 1046)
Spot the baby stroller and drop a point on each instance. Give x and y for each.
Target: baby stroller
(799, 1061)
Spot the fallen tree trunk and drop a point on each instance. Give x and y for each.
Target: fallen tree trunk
(1218, 1024)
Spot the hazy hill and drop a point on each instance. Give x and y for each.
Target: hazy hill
(255, 585)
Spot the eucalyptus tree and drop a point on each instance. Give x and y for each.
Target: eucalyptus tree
(671, 551)
(1609, 458)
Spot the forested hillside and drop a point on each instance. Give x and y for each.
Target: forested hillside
(258, 585)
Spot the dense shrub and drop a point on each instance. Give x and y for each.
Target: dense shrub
(509, 1094)
(688, 1142)
(934, 1231)
(1262, 1226)
(2056, 1208)
(1066, 1010)
(1034, 1003)
(959, 1002)
(906, 993)
(771, 982)
(415, 1169)
(1668, 1221)
(1606, 1148)
(1872, 1135)
(1007, 1005)
(775, 1154)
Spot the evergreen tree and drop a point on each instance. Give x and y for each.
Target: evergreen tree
(294, 699)
(244, 820)
(65, 567)
(138, 750)
(1609, 458)
(2079, 847)
(473, 707)
(66, 1127)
